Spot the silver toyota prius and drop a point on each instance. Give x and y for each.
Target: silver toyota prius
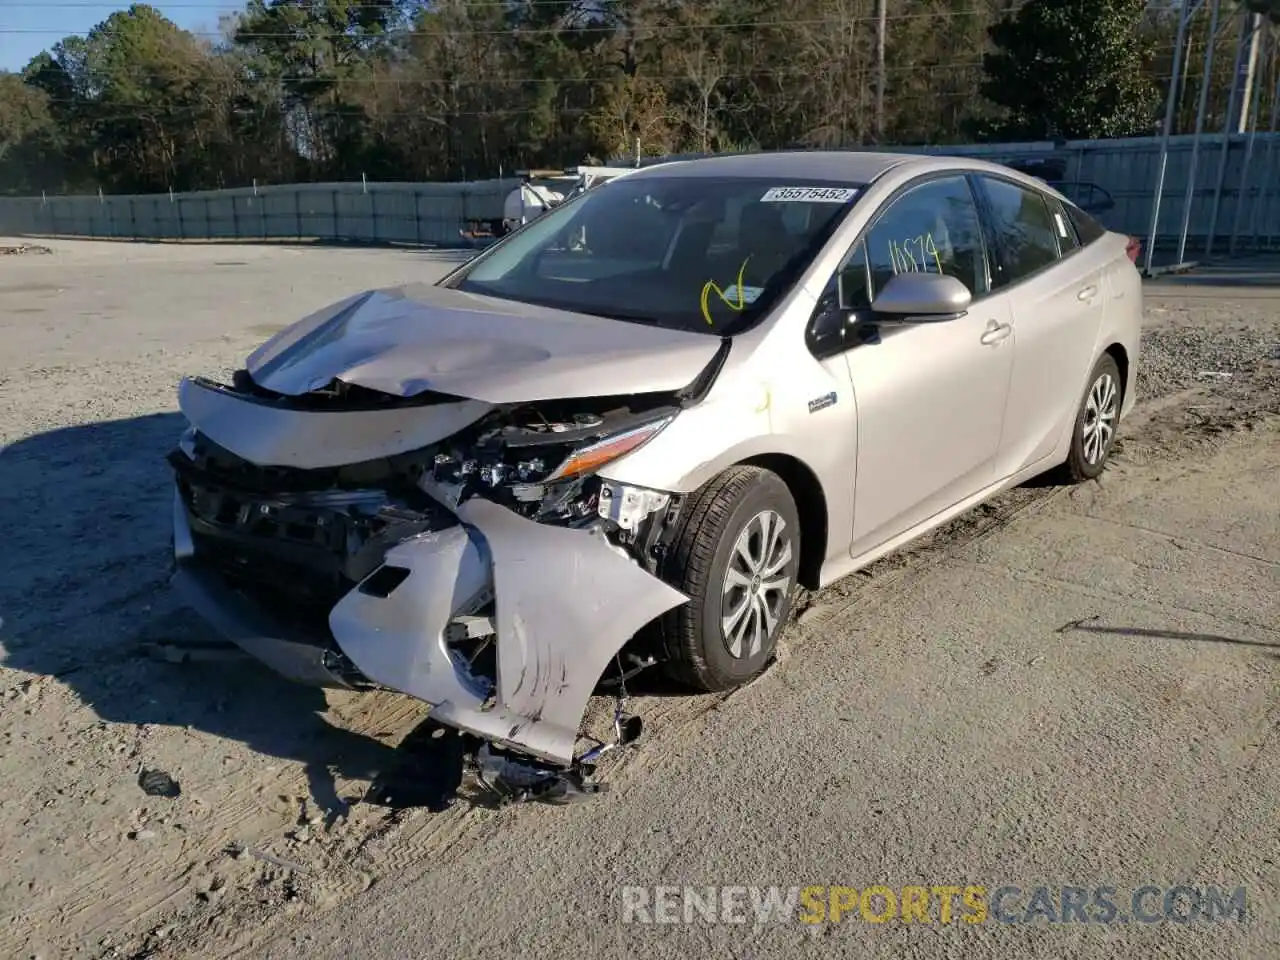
(623, 435)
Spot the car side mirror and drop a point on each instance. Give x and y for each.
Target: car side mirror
(921, 298)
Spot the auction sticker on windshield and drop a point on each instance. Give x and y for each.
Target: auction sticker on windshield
(809, 195)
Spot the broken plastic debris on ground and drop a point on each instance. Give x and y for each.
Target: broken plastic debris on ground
(157, 783)
(434, 760)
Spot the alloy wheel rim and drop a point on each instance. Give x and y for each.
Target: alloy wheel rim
(757, 583)
(1099, 428)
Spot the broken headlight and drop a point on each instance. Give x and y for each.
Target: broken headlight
(542, 469)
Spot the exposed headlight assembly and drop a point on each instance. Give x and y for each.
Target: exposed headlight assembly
(546, 470)
(586, 460)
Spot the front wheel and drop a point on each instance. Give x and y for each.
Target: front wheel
(735, 555)
(1094, 433)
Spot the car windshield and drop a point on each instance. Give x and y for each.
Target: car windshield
(694, 253)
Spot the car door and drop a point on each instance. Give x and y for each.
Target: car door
(930, 397)
(1058, 297)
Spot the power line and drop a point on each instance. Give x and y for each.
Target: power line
(411, 80)
(593, 6)
(298, 5)
(414, 81)
(520, 32)
(321, 110)
(245, 35)
(496, 113)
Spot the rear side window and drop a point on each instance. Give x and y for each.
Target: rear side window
(1024, 231)
(1087, 228)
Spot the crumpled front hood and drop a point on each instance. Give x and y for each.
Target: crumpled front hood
(410, 340)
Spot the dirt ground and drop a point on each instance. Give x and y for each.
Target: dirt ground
(1068, 686)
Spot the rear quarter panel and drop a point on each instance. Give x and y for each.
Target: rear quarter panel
(1123, 323)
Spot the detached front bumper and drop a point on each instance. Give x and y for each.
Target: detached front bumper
(565, 602)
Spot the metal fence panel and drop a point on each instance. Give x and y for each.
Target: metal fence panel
(431, 213)
(1246, 201)
(1127, 169)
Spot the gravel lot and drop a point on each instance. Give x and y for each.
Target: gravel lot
(1067, 687)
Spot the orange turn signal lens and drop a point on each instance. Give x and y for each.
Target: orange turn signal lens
(590, 458)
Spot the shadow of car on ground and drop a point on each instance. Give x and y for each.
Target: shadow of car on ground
(87, 510)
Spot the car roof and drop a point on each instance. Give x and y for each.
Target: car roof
(849, 166)
(846, 166)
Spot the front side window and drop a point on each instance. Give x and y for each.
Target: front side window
(931, 228)
(1023, 230)
(702, 254)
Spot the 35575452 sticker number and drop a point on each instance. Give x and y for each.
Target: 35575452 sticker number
(809, 195)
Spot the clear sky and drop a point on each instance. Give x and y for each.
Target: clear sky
(29, 26)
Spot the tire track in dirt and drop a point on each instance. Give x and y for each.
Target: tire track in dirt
(172, 882)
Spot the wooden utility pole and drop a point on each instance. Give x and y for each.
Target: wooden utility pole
(882, 18)
(1251, 73)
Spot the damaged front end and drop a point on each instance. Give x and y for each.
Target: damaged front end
(464, 553)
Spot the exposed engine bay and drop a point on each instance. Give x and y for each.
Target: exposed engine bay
(537, 460)
(484, 573)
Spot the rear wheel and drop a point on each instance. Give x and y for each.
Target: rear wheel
(1094, 434)
(735, 555)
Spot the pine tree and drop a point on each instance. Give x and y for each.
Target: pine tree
(1076, 69)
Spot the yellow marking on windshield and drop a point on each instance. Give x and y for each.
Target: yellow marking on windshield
(711, 286)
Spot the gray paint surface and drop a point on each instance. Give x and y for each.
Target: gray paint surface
(566, 603)
(271, 436)
(410, 340)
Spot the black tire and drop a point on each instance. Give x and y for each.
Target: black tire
(708, 530)
(1084, 460)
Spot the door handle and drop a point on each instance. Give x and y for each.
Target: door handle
(996, 332)
(1088, 293)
